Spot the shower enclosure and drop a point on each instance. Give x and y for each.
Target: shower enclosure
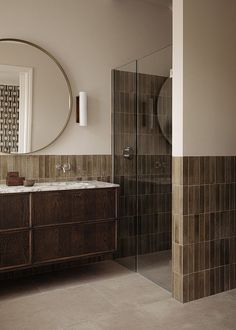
(142, 127)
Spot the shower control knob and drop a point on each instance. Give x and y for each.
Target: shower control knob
(158, 165)
(128, 153)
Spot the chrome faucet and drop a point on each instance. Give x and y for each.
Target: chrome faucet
(65, 167)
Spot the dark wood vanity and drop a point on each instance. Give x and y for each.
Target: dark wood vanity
(48, 227)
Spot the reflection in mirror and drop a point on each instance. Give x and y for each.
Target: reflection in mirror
(164, 109)
(35, 97)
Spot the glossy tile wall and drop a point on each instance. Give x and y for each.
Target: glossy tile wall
(204, 226)
(125, 171)
(43, 168)
(153, 169)
(146, 179)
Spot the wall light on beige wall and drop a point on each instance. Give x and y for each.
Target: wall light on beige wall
(82, 109)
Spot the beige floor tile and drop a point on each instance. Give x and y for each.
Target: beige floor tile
(84, 326)
(106, 296)
(130, 319)
(130, 291)
(207, 313)
(60, 307)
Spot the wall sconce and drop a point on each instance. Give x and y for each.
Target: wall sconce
(81, 108)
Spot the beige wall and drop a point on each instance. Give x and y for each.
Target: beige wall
(89, 38)
(177, 80)
(209, 78)
(159, 63)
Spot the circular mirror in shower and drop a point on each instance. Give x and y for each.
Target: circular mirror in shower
(164, 110)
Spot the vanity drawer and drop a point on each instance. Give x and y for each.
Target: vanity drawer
(14, 211)
(14, 249)
(73, 206)
(70, 241)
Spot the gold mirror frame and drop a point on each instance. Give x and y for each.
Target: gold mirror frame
(21, 41)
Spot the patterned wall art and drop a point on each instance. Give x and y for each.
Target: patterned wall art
(9, 118)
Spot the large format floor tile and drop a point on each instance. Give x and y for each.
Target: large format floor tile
(106, 296)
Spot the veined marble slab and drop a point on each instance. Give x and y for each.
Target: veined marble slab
(54, 186)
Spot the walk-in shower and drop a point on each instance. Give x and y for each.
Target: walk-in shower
(142, 134)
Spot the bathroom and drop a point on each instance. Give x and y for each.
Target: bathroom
(117, 166)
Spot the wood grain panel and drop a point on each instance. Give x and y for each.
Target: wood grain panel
(14, 249)
(54, 243)
(51, 207)
(73, 206)
(14, 211)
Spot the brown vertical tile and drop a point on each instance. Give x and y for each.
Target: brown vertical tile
(232, 282)
(194, 170)
(201, 284)
(226, 277)
(176, 227)
(178, 259)
(185, 174)
(217, 253)
(194, 199)
(207, 227)
(185, 259)
(6, 164)
(212, 198)
(177, 171)
(202, 257)
(73, 172)
(177, 287)
(176, 199)
(185, 288)
(207, 255)
(229, 169)
(185, 229)
(217, 279)
(201, 227)
(212, 254)
(220, 169)
(221, 279)
(32, 167)
(206, 198)
(191, 287)
(42, 167)
(185, 200)
(191, 258)
(201, 160)
(196, 248)
(212, 282)
(212, 170)
(207, 283)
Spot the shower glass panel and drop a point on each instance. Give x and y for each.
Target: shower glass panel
(154, 158)
(142, 127)
(125, 160)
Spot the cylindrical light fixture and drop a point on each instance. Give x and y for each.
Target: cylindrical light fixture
(81, 108)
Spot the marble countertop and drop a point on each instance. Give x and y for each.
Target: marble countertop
(54, 186)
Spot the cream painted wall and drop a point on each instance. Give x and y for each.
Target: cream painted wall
(209, 78)
(177, 80)
(89, 38)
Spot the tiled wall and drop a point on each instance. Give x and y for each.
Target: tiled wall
(204, 226)
(151, 169)
(43, 168)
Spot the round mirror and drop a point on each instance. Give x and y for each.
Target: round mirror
(35, 97)
(164, 109)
